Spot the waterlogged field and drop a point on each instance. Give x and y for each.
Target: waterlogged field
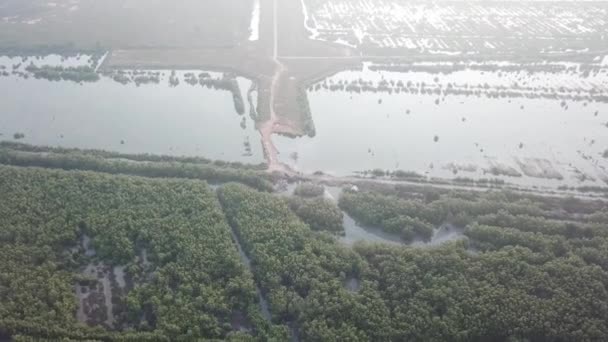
(459, 27)
(187, 113)
(523, 127)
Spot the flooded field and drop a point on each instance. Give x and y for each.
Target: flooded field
(189, 113)
(458, 27)
(464, 124)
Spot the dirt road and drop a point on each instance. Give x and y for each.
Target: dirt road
(273, 125)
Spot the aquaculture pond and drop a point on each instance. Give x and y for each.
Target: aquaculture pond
(481, 126)
(189, 113)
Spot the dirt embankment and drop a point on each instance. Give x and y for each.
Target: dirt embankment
(274, 125)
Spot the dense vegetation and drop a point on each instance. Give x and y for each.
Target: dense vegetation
(144, 157)
(58, 73)
(418, 217)
(305, 112)
(531, 269)
(303, 274)
(547, 284)
(133, 165)
(319, 213)
(192, 288)
(309, 190)
(404, 217)
(511, 294)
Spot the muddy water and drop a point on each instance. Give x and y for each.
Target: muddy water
(150, 118)
(455, 136)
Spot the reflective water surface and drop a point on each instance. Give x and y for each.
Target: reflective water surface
(157, 118)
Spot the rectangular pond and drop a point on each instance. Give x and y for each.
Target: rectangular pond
(182, 113)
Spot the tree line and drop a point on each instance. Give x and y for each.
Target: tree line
(82, 160)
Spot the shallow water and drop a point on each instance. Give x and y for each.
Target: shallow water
(441, 235)
(353, 284)
(152, 118)
(86, 244)
(119, 273)
(434, 135)
(332, 193)
(144, 258)
(354, 232)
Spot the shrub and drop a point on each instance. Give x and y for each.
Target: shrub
(309, 190)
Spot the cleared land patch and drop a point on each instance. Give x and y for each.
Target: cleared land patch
(459, 27)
